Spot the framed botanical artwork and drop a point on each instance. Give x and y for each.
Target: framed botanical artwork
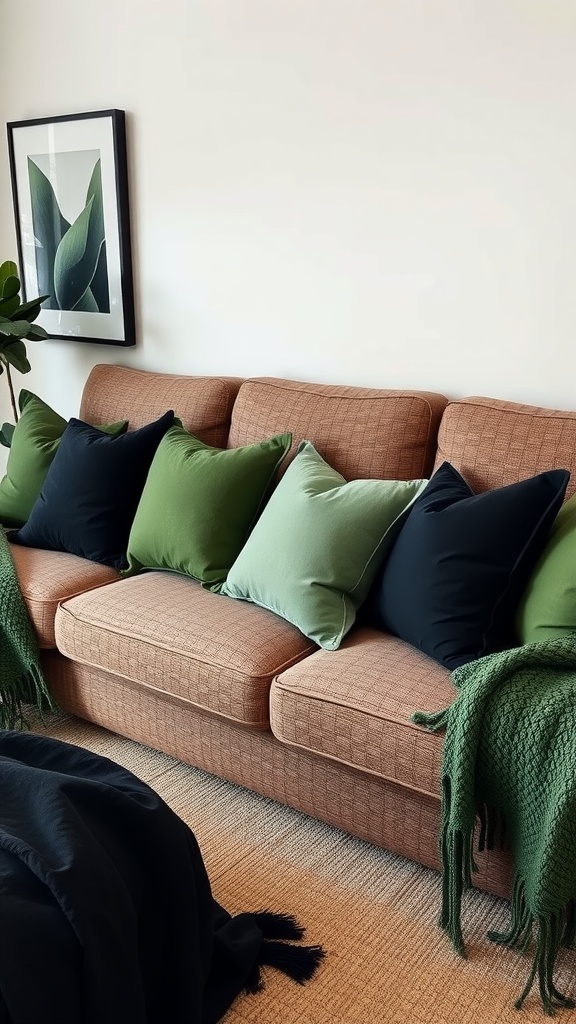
(70, 191)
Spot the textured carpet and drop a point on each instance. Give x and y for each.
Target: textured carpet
(374, 913)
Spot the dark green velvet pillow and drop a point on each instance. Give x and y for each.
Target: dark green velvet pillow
(34, 444)
(200, 503)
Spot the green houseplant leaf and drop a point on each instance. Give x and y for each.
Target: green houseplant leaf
(8, 307)
(8, 269)
(36, 333)
(12, 329)
(10, 288)
(15, 354)
(15, 326)
(31, 309)
(6, 434)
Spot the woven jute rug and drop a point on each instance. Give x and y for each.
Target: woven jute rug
(374, 913)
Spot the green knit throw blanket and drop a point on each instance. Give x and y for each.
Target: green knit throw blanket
(21, 679)
(510, 756)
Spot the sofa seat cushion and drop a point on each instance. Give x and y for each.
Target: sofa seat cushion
(47, 577)
(163, 630)
(354, 705)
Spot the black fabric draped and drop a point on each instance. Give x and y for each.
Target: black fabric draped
(106, 910)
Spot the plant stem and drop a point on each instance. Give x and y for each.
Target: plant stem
(11, 390)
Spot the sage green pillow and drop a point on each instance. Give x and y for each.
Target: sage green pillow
(548, 605)
(318, 545)
(34, 444)
(199, 504)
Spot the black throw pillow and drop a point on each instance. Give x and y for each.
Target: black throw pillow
(457, 570)
(91, 492)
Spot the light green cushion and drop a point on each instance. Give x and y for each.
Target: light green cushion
(548, 605)
(318, 545)
(199, 504)
(34, 444)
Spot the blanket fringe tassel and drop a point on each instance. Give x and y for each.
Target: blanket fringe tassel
(458, 865)
(279, 932)
(29, 689)
(552, 930)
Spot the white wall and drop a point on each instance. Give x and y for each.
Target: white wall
(366, 191)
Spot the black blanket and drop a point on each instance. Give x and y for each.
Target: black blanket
(106, 910)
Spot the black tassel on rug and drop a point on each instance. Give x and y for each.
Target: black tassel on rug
(279, 932)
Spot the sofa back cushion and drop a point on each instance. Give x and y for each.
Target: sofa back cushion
(203, 404)
(493, 443)
(361, 432)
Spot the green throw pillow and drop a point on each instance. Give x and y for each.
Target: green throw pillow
(548, 605)
(318, 545)
(199, 504)
(34, 444)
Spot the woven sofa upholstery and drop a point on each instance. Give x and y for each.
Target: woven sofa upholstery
(493, 443)
(167, 633)
(48, 577)
(354, 705)
(217, 655)
(361, 432)
(237, 690)
(203, 404)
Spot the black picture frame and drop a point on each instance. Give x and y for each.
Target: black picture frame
(70, 191)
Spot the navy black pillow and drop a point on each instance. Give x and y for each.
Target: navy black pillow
(457, 570)
(91, 492)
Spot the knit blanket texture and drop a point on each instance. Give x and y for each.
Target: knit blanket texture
(510, 758)
(21, 678)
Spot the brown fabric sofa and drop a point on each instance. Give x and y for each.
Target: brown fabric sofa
(235, 689)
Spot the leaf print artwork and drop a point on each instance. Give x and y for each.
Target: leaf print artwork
(69, 178)
(69, 233)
